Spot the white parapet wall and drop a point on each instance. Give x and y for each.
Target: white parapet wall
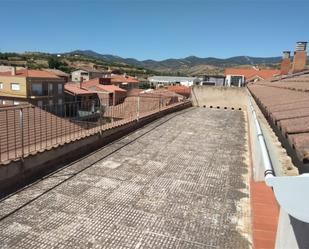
(229, 97)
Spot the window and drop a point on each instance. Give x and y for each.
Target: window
(50, 89)
(15, 86)
(50, 102)
(60, 101)
(60, 86)
(36, 89)
(236, 80)
(1, 85)
(15, 102)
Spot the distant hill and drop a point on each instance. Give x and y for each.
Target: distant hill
(189, 65)
(87, 59)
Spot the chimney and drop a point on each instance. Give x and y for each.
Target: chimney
(81, 82)
(13, 71)
(300, 57)
(286, 62)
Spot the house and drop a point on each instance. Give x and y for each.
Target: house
(86, 75)
(108, 94)
(213, 80)
(241, 76)
(75, 93)
(94, 91)
(37, 87)
(158, 81)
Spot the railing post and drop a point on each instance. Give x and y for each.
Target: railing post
(21, 125)
(138, 107)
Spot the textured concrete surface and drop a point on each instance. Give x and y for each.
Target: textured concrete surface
(180, 182)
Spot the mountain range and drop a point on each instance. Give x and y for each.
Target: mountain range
(191, 65)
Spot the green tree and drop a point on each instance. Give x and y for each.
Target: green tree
(53, 63)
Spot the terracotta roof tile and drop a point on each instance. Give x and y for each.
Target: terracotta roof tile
(75, 89)
(286, 103)
(249, 73)
(30, 73)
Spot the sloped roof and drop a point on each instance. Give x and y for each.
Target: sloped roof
(285, 102)
(123, 79)
(94, 85)
(182, 90)
(252, 72)
(56, 72)
(75, 89)
(30, 73)
(110, 88)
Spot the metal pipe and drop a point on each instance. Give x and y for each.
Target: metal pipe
(269, 172)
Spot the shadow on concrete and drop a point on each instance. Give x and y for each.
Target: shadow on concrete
(301, 231)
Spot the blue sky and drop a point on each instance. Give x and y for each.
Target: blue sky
(149, 29)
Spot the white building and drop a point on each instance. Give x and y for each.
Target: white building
(86, 75)
(173, 80)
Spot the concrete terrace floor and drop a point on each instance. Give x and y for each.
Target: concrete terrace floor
(180, 182)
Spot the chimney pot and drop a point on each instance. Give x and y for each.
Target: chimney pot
(301, 46)
(286, 55)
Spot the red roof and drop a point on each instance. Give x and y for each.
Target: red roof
(94, 84)
(123, 79)
(182, 90)
(110, 88)
(75, 89)
(30, 73)
(249, 73)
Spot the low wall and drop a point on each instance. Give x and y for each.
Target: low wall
(19, 173)
(229, 97)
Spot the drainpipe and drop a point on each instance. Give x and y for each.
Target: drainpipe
(290, 191)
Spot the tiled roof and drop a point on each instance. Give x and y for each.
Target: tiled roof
(123, 79)
(182, 90)
(94, 85)
(92, 82)
(57, 72)
(110, 88)
(39, 125)
(75, 89)
(249, 73)
(286, 103)
(30, 73)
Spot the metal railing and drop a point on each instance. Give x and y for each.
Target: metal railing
(28, 129)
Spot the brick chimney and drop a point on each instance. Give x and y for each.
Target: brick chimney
(286, 62)
(300, 57)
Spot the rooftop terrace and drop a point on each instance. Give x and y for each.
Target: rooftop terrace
(179, 182)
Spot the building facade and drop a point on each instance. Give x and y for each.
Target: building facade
(37, 87)
(212, 80)
(158, 81)
(238, 77)
(85, 75)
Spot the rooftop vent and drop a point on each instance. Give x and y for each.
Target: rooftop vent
(286, 55)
